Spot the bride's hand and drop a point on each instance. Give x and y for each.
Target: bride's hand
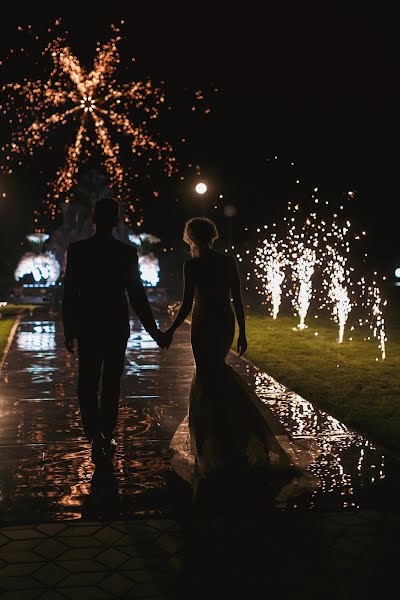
(241, 344)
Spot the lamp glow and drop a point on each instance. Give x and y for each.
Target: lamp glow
(201, 188)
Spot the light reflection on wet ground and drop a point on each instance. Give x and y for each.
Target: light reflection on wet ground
(353, 473)
(45, 469)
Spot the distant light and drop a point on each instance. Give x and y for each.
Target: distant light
(38, 238)
(229, 210)
(201, 188)
(397, 272)
(44, 268)
(149, 268)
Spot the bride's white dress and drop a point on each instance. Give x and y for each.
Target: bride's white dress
(228, 428)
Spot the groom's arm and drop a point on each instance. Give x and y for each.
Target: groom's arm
(69, 298)
(138, 298)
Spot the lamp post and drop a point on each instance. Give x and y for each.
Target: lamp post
(201, 189)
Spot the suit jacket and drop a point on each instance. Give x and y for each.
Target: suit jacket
(100, 272)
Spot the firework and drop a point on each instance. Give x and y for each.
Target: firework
(270, 269)
(378, 322)
(303, 268)
(102, 109)
(307, 243)
(338, 293)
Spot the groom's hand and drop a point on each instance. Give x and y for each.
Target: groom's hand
(163, 339)
(158, 337)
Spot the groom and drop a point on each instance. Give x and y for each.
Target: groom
(100, 272)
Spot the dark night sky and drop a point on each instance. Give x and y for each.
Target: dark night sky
(317, 87)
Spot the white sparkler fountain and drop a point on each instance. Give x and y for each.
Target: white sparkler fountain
(338, 294)
(270, 269)
(307, 246)
(303, 267)
(314, 244)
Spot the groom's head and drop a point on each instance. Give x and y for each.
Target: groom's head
(106, 214)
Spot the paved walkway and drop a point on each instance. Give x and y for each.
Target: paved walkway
(45, 466)
(69, 533)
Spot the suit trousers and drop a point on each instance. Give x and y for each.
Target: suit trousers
(100, 361)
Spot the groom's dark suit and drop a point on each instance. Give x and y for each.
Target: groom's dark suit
(100, 272)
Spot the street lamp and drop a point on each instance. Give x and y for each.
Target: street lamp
(201, 189)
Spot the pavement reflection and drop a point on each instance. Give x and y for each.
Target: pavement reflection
(353, 472)
(45, 468)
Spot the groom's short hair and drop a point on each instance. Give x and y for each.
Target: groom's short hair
(106, 210)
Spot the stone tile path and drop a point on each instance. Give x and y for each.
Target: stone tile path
(138, 559)
(45, 467)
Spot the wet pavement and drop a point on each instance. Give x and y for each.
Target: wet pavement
(45, 468)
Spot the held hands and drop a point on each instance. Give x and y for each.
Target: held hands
(164, 339)
(241, 344)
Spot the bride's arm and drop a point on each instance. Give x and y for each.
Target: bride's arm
(239, 310)
(188, 295)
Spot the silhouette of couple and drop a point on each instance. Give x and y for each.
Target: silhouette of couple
(227, 430)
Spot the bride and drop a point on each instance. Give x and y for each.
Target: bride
(230, 428)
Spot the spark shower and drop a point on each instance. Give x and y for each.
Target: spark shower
(309, 258)
(102, 110)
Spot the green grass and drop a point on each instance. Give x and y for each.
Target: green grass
(5, 328)
(345, 380)
(12, 310)
(8, 314)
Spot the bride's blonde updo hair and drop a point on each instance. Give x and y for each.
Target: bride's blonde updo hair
(199, 233)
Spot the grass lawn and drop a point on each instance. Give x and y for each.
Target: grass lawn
(9, 314)
(6, 324)
(345, 380)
